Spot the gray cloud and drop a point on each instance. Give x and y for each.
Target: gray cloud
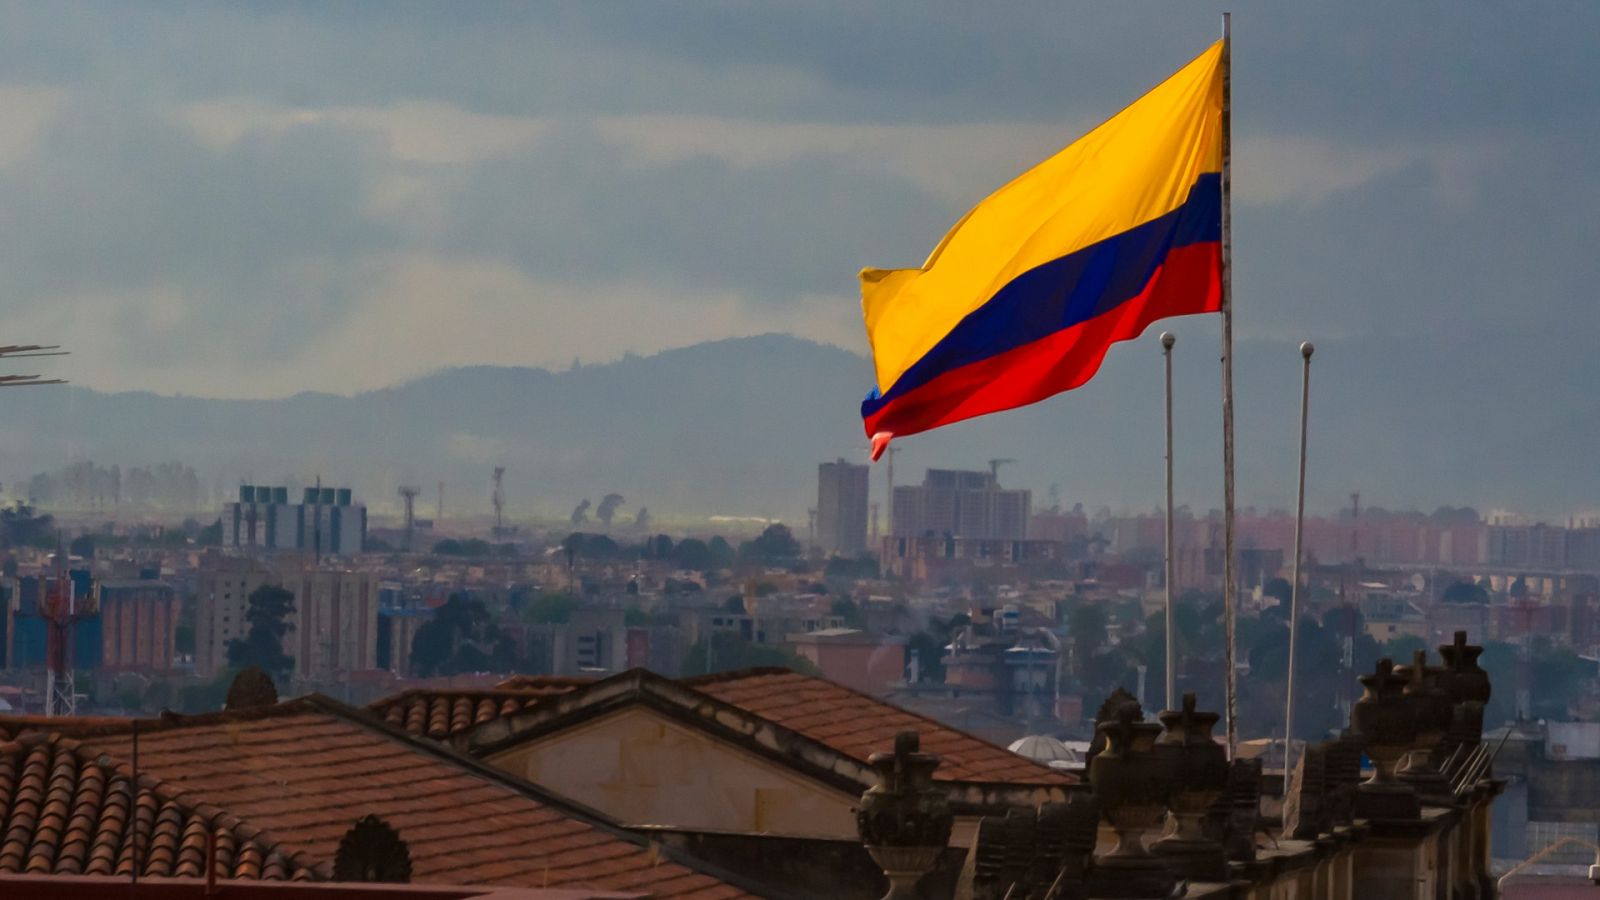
(1470, 219)
(577, 208)
(250, 241)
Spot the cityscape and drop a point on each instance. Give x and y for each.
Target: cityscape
(444, 471)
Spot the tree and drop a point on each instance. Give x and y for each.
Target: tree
(21, 527)
(1400, 649)
(734, 652)
(608, 509)
(82, 546)
(211, 535)
(580, 513)
(850, 611)
(863, 566)
(1086, 628)
(461, 638)
(722, 555)
(692, 554)
(550, 609)
(1281, 589)
(775, 544)
(1465, 592)
(267, 610)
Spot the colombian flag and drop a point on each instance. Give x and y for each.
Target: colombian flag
(1024, 296)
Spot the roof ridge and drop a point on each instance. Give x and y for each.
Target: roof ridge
(110, 764)
(736, 674)
(540, 794)
(762, 671)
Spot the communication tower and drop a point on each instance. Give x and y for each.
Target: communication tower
(62, 610)
(409, 495)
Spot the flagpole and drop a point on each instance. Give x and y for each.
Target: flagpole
(1167, 340)
(1306, 349)
(1229, 588)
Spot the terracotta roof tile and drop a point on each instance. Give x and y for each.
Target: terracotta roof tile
(67, 809)
(442, 713)
(305, 772)
(858, 725)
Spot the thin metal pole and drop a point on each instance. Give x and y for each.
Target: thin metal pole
(1229, 589)
(1167, 340)
(1306, 349)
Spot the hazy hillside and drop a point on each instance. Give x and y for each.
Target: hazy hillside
(737, 427)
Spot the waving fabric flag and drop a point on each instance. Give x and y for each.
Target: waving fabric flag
(1024, 296)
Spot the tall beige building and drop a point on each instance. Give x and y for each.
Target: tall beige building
(842, 508)
(332, 630)
(961, 504)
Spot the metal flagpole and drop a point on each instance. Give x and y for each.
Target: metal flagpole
(1229, 588)
(1167, 340)
(1306, 349)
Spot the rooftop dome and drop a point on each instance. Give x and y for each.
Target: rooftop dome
(1042, 748)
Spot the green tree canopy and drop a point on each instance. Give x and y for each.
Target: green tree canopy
(775, 545)
(731, 651)
(1465, 591)
(461, 637)
(267, 610)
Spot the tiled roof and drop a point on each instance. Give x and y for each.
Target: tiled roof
(306, 770)
(546, 684)
(12, 726)
(858, 725)
(439, 714)
(65, 809)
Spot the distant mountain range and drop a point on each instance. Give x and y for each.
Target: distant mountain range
(737, 427)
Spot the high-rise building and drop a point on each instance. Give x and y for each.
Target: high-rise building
(842, 508)
(333, 629)
(961, 504)
(326, 521)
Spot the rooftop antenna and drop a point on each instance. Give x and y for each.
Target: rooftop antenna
(498, 498)
(62, 611)
(409, 495)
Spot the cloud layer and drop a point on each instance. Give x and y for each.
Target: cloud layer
(246, 201)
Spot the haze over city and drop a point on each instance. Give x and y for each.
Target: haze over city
(579, 451)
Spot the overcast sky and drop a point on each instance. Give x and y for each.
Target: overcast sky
(261, 198)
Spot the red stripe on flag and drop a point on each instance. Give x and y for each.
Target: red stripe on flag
(1188, 282)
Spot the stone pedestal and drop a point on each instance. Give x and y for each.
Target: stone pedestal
(1200, 769)
(904, 820)
(1132, 783)
(1385, 718)
(1434, 713)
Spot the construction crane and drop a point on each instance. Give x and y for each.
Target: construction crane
(498, 498)
(62, 611)
(994, 497)
(409, 495)
(994, 470)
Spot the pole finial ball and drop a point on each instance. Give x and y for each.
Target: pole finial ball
(1306, 349)
(1168, 339)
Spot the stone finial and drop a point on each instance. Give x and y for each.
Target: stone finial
(252, 688)
(1200, 767)
(1386, 719)
(1108, 712)
(903, 819)
(1425, 686)
(372, 851)
(1132, 783)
